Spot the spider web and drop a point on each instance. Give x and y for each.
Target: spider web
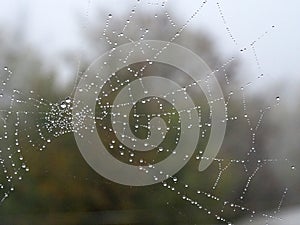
(54, 120)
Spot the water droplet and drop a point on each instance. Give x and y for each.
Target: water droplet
(293, 167)
(68, 100)
(63, 105)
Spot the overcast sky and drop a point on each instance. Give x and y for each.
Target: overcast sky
(52, 26)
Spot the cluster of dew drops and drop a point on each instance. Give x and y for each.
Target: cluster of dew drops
(17, 112)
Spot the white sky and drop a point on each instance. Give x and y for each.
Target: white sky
(54, 25)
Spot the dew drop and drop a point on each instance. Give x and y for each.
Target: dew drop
(293, 167)
(68, 100)
(63, 105)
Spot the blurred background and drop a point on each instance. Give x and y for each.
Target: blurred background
(47, 45)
